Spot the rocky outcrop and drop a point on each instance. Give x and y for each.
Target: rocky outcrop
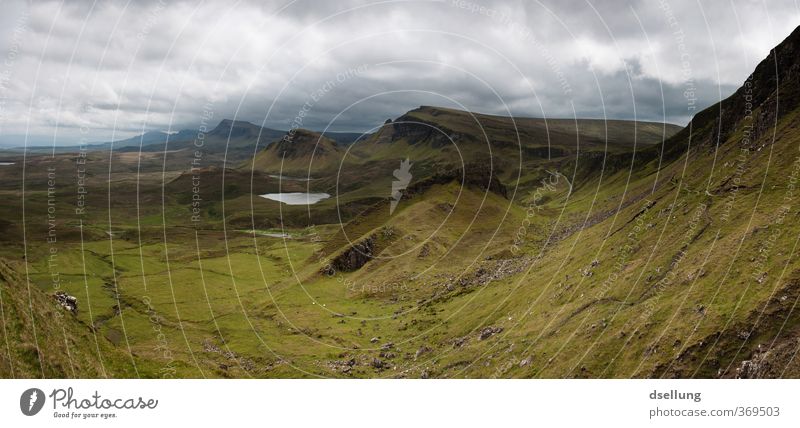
(353, 258)
(66, 301)
(769, 93)
(753, 368)
(488, 332)
(481, 176)
(415, 131)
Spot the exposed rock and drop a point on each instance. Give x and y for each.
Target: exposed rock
(67, 302)
(416, 131)
(353, 258)
(488, 332)
(245, 363)
(344, 366)
(420, 351)
(424, 251)
(753, 368)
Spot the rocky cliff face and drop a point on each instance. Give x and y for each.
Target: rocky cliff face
(768, 94)
(481, 176)
(414, 130)
(352, 258)
(762, 343)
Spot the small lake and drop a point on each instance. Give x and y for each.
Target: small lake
(296, 198)
(269, 234)
(283, 177)
(6, 163)
(276, 235)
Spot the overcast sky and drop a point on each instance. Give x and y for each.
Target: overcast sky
(110, 70)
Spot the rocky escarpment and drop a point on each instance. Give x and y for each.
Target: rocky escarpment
(769, 93)
(414, 130)
(762, 345)
(479, 175)
(353, 258)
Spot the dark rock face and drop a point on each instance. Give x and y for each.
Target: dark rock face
(752, 369)
(353, 258)
(474, 174)
(415, 131)
(488, 332)
(773, 88)
(67, 302)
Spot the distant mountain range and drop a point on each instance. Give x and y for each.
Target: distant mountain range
(230, 133)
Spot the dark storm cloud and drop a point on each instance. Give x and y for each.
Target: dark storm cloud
(109, 70)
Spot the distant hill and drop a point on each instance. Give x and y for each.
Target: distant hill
(439, 125)
(233, 134)
(300, 153)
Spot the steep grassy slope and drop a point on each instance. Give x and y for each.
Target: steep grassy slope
(687, 270)
(41, 339)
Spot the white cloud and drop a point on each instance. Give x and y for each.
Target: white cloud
(121, 67)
